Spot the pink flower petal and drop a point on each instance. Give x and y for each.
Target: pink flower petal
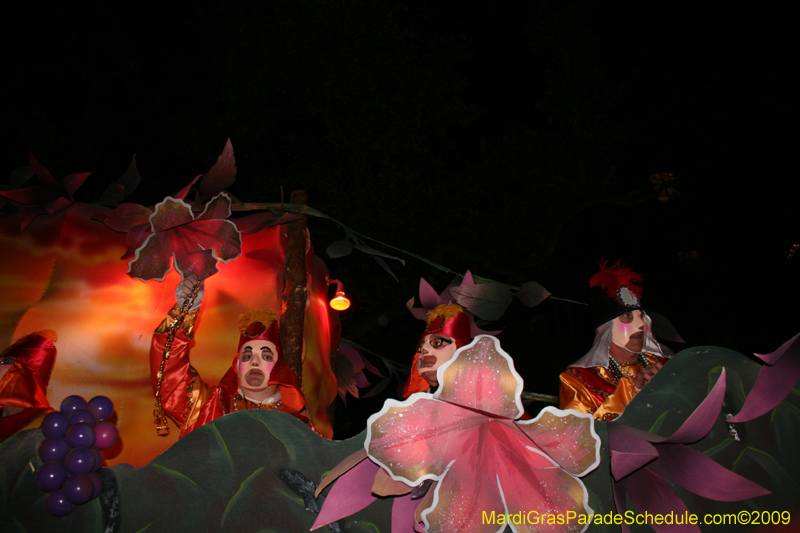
(567, 437)
(482, 376)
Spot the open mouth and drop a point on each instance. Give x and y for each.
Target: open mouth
(427, 361)
(254, 377)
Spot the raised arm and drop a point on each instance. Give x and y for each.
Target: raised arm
(179, 378)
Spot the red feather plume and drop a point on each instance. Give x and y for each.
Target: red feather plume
(611, 278)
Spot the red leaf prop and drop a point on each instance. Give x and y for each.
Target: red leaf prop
(222, 174)
(196, 244)
(47, 197)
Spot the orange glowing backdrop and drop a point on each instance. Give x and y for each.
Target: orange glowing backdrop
(64, 273)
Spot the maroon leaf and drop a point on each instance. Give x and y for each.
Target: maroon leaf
(121, 188)
(532, 294)
(125, 217)
(222, 174)
(183, 192)
(195, 244)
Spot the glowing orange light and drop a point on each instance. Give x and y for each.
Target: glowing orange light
(340, 301)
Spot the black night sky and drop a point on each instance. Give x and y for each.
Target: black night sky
(515, 139)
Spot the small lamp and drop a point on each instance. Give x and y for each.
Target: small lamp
(340, 301)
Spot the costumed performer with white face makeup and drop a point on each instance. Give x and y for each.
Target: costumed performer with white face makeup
(625, 355)
(447, 329)
(259, 377)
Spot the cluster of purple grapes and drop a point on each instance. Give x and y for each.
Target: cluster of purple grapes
(71, 452)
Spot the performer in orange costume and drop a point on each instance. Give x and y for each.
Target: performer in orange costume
(259, 377)
(625, 355)
(25, 369)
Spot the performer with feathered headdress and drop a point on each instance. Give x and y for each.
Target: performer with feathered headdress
(625, 355)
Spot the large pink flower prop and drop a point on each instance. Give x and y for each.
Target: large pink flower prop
(195, 243)
(467, 439)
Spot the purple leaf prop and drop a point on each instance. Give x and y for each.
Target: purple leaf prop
(487, 301)
(428, 296)
(774, 382)
(701, 475)
(339, 249)
(651, 493)
(532, 294)
(351, 493)
(403, 509)
(645, 477)
(222, 174)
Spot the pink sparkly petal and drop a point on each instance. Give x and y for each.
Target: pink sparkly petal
(567, 437)
(482, 376)
(415, 440)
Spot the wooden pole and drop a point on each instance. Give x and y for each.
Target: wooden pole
(295, 293)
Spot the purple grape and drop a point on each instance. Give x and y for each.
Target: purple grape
(72, 403)
(78, 489)
(106, 435)
(53, 449)
(98, 484)
(101, 407)
(55, 424)
(81, 435)
(79, 461)
(82, 416)
(98, 458)
(51, 476)
(57, 503)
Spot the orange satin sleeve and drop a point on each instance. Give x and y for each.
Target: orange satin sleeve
(178, 373)
(599, 399)
(575, 394)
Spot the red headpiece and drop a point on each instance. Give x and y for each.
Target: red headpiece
(263, 325)
(447, 319)
(259, 325)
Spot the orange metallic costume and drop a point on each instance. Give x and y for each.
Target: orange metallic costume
(24, 383)
(190, 402)
(594, 390)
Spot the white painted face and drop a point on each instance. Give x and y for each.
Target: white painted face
(436, 350)
(256, 360)
(630, 330)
